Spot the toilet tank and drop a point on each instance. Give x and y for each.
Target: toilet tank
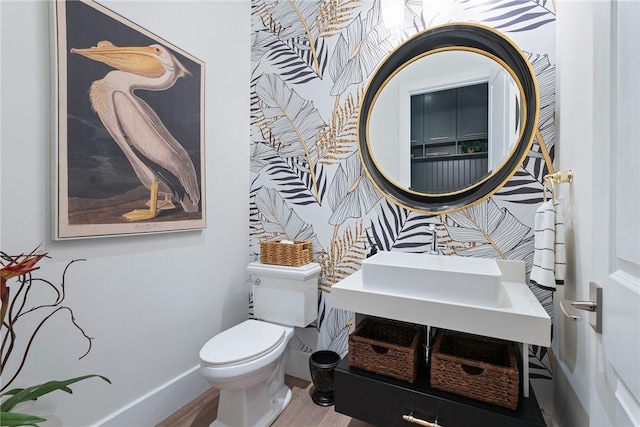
(285, 295)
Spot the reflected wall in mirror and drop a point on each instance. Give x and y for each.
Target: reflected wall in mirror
(445, 121)
(443, 90)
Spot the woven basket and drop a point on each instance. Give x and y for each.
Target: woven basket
(476, 367)
(385, 347)
(294, 255)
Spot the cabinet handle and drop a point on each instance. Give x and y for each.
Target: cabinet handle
(474, 134)
(435, 138)
(418, 421)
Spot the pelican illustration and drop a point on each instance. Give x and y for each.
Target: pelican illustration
(159, 161)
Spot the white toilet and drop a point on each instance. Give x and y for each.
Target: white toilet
(247, 362)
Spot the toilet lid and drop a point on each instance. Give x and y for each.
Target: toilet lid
(242, 343)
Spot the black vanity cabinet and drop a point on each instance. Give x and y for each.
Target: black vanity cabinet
(383, 401)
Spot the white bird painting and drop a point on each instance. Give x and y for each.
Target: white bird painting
(159, 161)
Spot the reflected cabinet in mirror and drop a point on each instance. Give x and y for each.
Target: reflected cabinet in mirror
(447, 118)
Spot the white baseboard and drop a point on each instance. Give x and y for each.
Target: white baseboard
(158, 404)
(163, 401)
(298, 365)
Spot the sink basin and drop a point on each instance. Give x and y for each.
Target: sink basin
(453, 279)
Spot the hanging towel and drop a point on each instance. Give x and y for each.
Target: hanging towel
(549, 257)
(561, 255)
(543, 270)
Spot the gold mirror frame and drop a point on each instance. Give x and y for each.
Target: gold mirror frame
(472, 37)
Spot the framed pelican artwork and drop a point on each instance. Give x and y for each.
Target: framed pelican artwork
(130, 128)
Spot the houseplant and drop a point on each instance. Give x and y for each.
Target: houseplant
(16, 307)
(474, 146)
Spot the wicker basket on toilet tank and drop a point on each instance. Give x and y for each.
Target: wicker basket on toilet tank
(289, 254)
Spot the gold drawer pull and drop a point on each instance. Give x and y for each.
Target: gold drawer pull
(418, 421)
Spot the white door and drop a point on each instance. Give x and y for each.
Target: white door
(614, 398)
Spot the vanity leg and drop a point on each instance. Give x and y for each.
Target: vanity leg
(427, 343)
(525, 369)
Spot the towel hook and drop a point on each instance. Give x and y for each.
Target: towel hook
(560, 176)
(556, 178)
(553, 190)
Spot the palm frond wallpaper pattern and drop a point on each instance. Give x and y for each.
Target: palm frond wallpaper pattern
(311, 61)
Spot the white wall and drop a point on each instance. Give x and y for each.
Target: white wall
(575, 114)
(150, 301)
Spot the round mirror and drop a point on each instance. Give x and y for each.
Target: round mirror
(459, 112)
(447, 118)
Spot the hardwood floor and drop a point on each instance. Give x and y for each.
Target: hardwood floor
(301, 412)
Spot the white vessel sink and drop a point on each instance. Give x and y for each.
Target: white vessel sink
(451, 279)
(520, 316)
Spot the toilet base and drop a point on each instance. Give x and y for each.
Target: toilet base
(277, 405)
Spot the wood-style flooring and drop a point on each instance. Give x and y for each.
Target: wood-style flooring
(301, 412)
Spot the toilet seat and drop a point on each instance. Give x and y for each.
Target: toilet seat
(242, 343)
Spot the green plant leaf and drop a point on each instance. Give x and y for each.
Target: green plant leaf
(33, 392)
(11, 419)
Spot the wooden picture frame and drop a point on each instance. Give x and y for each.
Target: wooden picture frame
(129, 112)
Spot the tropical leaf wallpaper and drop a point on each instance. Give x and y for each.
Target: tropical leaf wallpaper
(310, 64)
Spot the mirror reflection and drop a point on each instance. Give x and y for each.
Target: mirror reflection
(445, 121)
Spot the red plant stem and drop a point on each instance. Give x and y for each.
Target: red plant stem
(11, 321)
(26, 281)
